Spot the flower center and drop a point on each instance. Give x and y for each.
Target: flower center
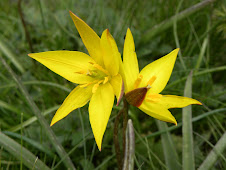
(98, 73)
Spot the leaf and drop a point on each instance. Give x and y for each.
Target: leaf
(30, 160)
(188, 151)
(214, 154)
(170, 153)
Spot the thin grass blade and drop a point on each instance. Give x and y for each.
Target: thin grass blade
(147, 36)
(170, 153)
(59, 148)
(30, 160)
(6, 51)
(188, 151)
(214, 154)
(130, 147)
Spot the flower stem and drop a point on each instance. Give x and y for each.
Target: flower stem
(124, 112)
(115, 138)
(125, 121)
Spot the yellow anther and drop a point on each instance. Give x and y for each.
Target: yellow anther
(88, 73)
(97, 66)
(81, 72)
(94, 89)
(154, 97)
(138, 80)
(151, 81)
(105, 80)
(85, 85)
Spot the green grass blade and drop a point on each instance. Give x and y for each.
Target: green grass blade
(201, 55)
(33, 119)
(30, 160)
(206, 71)
(11, 57)
(195, 119)
(168, 23)
(214, 154)
(130, 147)
(59, 148)
(35, 82)
(170, 153)
(188, 151)
(176, 35)
(35, 144)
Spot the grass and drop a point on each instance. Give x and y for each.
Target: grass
(158, 27)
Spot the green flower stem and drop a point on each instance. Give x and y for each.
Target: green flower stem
(115, 139)
(125, 121)
(124, 112)
(60, 150)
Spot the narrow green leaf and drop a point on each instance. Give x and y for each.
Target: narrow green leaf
(130, 147)
(147, 36)
(35, 144)
(59, 148)
(170, 153)
(206, 71)
(30, 160)
(201, 54)
(214, 154)
(188, 151)
(32, 119)
(11, 57)
(195, 119)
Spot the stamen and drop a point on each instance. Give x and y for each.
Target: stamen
(81, 72)
(138, 80)
(151, 81)
(97, 66)
(154, 98)
(105, 80)
(88, 73)
(85, 85)
(94, 89)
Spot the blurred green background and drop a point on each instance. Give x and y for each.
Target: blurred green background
(199, 32)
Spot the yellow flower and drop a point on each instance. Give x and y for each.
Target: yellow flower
(142, 89)
(97, 75)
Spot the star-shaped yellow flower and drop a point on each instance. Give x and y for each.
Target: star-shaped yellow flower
(142, 89)
(97, 75)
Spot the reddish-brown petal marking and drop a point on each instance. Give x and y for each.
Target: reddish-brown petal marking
(136, 96)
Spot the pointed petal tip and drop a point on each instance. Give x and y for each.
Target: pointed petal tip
(52, 123)
(176, 50)
(128, 30)
(99, 145)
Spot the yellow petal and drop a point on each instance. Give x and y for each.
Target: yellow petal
(67, 64)
(117, 85)
(90, 39)
(110, 52)
(100, 107)
(157, 111)
(77, 98)
(130, 63)
(161, 70)
(172, 101)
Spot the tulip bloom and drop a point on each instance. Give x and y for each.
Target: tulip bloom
(96, 74)
(142, 89)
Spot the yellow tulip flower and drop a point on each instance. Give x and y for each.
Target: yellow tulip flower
(142, 88)
(97, 75)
